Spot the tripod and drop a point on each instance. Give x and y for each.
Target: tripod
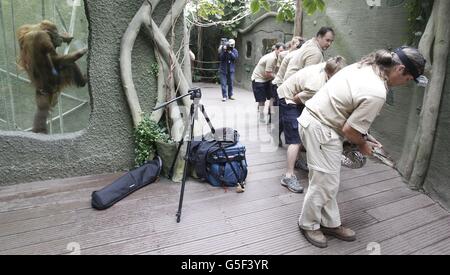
(196, 95)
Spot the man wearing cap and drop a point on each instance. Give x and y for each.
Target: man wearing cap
(227, 56)
(345, 108)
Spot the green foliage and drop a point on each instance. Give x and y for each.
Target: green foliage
(256, 5)
(419, 12)
(207, 9)
(146, 134)
(311, 6)
(224, 11)
(286, 12)
(154, 69)
(286, 9)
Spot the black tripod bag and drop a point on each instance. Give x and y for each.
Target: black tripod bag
(127, 184)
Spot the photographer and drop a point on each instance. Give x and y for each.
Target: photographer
(227, 56)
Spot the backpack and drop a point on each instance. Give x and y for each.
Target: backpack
(209, 158)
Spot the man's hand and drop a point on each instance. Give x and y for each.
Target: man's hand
(373, 140)
(297, 100)
(366, 148)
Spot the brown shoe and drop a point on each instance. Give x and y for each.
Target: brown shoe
(342, 233)
(315, 237)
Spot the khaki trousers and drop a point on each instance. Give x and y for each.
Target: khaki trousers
(323, 150)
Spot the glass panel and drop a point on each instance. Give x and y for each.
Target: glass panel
(17, 94)
(267, 45)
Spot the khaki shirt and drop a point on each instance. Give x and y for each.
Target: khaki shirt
(306, 83)
(267, 63)
(282, 69)
(354, 95)
(280, 58)
(309, 54)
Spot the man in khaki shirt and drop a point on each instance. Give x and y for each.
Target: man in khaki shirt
(262, 76)
(311, 53)
(295, 44)
(293, 93)
(346, 107)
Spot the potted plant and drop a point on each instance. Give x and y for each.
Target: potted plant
(152, 139)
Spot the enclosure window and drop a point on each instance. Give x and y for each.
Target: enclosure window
(248, 53)
(267, 45)
(71, 109)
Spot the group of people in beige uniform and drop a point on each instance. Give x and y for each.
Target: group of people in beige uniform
(321, 103)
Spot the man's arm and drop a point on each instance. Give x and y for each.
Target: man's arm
(222, 54)
(234, 54)
(269, 75)
(358, 139)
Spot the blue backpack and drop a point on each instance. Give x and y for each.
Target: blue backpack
(220, 159)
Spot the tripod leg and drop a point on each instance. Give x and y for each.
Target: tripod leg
(207, 119)
(186, 164)
(175, 159)
(241, 186)
(176, 156)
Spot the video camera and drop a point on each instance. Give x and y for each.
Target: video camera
(224, 42)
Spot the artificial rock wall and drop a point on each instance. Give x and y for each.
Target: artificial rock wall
(106, 145)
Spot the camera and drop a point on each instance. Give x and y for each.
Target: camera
(227, 44)
(195, 93)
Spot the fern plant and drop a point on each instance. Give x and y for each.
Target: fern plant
(147, 133)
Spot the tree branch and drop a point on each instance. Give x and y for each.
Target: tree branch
(126, 49)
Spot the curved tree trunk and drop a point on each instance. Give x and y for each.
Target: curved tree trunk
(298, 30)
(126, 48)
(425, 47)
(163, 51)
(187, 65)
(167, 54)
(434, 95)
(164, 93)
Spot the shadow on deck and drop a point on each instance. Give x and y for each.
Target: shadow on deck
(51, 217)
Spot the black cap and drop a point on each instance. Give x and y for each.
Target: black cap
(408, 64)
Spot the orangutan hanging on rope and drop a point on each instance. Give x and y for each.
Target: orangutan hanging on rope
(49, 72)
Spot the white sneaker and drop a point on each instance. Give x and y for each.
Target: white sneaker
(224, 99)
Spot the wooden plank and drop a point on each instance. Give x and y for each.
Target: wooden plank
(367, 189)
(108, 221)
(40, 188)
(163, 226)
(388, 211)
(379, 232)
(441, 247)
(352, 215)
(94, 221)
(416, 239)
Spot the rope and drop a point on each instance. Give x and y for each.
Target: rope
(207, 62)
(202, 69)
(207, 77)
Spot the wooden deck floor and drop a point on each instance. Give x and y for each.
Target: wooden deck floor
(49, 217)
